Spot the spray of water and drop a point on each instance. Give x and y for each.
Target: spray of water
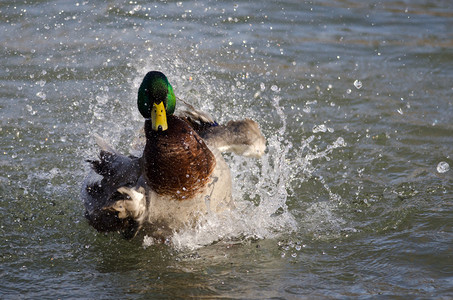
(261, 187)
(260, 192)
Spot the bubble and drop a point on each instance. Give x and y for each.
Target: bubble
(357, 84)
(262, 86)
(274, 88)
(443, 167)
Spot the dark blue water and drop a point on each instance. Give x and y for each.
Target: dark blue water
(353, 197)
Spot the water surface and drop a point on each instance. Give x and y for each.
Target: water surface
(353, 197)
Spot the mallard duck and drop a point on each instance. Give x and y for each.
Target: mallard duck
(181, 175)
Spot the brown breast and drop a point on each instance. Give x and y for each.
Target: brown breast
(177, 161)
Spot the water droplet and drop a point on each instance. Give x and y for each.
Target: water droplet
(54, 172)
(319, 128)
(41, 95)
(357, 84)
(274, 88)
(262, 86)
(340, 142)
(443, 167)
(348, 91)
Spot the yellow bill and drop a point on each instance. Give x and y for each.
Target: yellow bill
(159, 117)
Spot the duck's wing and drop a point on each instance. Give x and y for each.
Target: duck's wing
(110, 172)
(242, 137)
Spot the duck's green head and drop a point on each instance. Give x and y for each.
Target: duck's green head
(156, 99)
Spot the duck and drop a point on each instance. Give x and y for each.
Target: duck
(181, 175)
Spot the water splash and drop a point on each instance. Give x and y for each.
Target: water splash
(262, 188)
(261, 194)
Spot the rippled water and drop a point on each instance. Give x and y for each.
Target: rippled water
(352, 199)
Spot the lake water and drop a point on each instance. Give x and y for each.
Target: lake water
(353, 198)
